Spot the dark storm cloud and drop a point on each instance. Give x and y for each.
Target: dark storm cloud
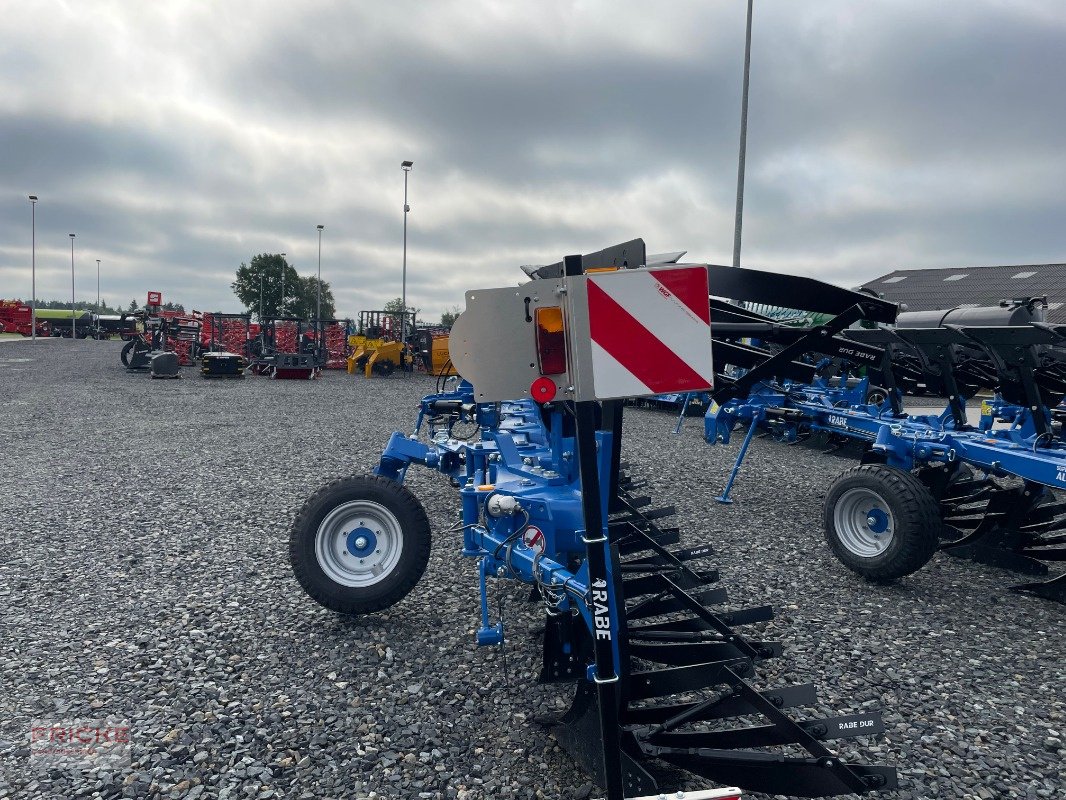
(179, 141)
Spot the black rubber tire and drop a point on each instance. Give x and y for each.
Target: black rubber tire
(393, 587)
(383, 368)
(127, 351)
(914, 512)
(876, 395)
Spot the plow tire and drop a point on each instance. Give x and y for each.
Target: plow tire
(127, 352)
(881, 522)
(360, 544)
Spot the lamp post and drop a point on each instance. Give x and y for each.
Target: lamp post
(97, 298)
(318, 312)
(281, 305)
(33, 266)
(739, 221)
(406, 167)
(73, 318)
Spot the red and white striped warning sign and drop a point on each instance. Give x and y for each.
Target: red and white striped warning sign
(651, 331)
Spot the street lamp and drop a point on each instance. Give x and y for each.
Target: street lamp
(738, 222)
(73, 319)
(406, 167)
(318, 312)
(33, 265)
(97, 298)
(281, 305)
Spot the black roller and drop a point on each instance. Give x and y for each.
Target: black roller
(980, 316)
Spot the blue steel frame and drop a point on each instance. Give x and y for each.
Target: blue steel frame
(514, 455)
(1014, 449)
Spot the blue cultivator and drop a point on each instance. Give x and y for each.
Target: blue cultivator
(930, 482)
(663, 667)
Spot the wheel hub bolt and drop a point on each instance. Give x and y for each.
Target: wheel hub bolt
(360, 542)
(871, 520)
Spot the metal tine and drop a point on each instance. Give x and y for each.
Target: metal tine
(732, 705)
(746, 616)
(1047, 541)
(774, 774)
(1048, 513)
(652, 584)
(685, 554)
(663, 536)
(635, 516)
(805, 777)
(669, 681)
(1033, 550)
(664, 604)
(1054, 589)
(670, 561)
(827, 728)
(687, 653)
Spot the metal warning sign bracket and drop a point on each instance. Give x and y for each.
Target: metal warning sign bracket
(629, 333)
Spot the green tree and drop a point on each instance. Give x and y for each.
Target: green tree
(264, 278)
(305, 303)
(447, 319)
(132, 306)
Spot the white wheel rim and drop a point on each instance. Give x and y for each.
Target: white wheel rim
(358, 543)
(863, 522)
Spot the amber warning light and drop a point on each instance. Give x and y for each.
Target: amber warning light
(551, 341)
(551, 352)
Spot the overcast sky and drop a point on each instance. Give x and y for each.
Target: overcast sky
(178, 139)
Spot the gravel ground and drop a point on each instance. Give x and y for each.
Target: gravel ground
(144, 577)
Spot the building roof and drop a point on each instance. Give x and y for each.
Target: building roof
(941, 289)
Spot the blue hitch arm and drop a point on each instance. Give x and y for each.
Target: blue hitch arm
(401, 452)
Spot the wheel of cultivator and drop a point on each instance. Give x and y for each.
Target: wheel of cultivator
(687, 693)
(876, 395)
(881, 522)
(360, 544)
(384, 368)
(133, 353)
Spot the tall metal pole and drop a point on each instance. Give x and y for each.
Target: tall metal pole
(739, 222)
(318, 313)
(406, 167)
(97, 298)
(73, 318)
(281, 306)
(260, 298)
(33, 266)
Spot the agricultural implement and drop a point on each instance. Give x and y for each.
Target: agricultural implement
(983, 491)
(377, 346)
(17, 317)
(430, 347)
(288, 348)
(224, 340)
(165, 344)
(662, 666)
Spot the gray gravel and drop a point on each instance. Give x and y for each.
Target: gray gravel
(144, 576)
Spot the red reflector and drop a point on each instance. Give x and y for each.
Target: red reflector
(543, 390)
(551, 341)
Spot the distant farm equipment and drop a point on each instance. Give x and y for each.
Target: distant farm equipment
(377, 344)
(985, 490)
